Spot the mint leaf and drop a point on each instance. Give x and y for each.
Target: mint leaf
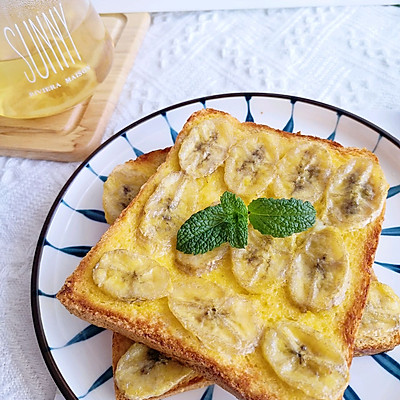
(233, 204)
(281, 217)
(237, 218)
(228, 222)
(203, 231)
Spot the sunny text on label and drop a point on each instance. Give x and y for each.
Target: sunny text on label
(51, 40)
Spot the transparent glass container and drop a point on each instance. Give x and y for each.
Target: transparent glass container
(53, 54)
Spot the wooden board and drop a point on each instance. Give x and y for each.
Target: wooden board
(75, 133)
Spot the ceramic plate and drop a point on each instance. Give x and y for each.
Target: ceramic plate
(78, 355)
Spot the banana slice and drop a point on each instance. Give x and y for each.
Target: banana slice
(125, 181)
(306, 360)
(172, 203)
(206, 147)
(355, 195)
(382, 312)
(303, 173)
(250, 166)
(319, 274)
(262, 262)
(130, 276)
(142, 373)
(222, 322)
(200, 263)
(120, 188)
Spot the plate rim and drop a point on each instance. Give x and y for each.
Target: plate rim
(51, 365)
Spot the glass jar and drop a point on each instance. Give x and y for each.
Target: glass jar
(53, 54)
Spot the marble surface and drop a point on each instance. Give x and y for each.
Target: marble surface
(345, 56)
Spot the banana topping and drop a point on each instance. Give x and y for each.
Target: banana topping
(125, 180)
(121, 186)
(250, 166)
(143, 372)
(319, 274)
(221, 321)
(303, 173)
(263, 261)
(129, 276)
(173, 201)
(206, 147)
(200, 263)
(307, 360)
(382, 312)
(355, 195)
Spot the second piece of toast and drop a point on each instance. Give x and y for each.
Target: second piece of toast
(144, 373)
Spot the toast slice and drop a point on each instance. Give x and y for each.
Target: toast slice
(380, 325)
(257, 344)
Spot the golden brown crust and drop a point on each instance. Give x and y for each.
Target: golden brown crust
(371, 346)
(153, 158)
(155, 334)
(354, 317)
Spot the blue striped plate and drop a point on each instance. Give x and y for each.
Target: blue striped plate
(78, 355)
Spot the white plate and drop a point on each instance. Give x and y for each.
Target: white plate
(78, 355)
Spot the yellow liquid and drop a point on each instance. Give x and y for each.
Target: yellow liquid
(50, 76)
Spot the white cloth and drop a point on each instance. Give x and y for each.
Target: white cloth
(105, 6)
(349, 57)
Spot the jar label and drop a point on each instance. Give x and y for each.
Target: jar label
(47, 43)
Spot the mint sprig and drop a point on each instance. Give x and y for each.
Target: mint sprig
(228, 222)
(215, 225)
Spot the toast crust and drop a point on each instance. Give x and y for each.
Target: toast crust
(162, 331)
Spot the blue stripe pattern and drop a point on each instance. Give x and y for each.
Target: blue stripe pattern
(387, 362)
(41, 293)
(350, 394)
(249, 117)
(208, 394)
(94, 215)
(392, 267)
(77, 251)
(394, 231)
(101, 177)
(135, 150)
(376, 146)
(290, 124)
(332, 136)
(83, 335)
(393, 191)
(173, 132)
(103, 378)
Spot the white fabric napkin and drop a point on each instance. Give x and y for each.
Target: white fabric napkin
(106, 6)
(59, 396)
